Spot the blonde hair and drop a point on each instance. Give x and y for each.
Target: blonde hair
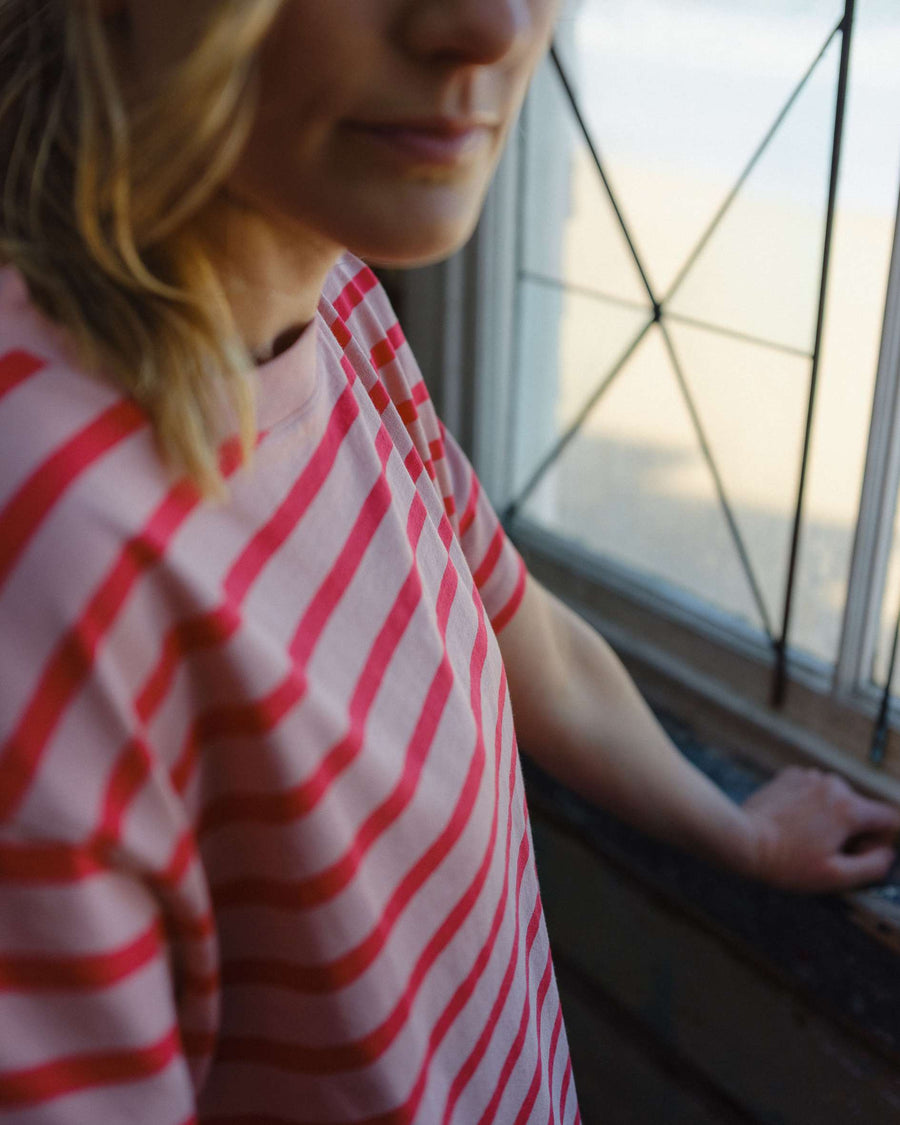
(100, 188)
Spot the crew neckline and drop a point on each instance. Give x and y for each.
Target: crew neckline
(287, 383)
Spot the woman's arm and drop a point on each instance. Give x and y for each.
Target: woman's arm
(579, 715)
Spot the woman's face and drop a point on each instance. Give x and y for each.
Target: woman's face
(381, 121)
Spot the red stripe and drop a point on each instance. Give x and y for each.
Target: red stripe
(325, 884)
(262, 715)
(564, 1093)
(341, 333)
(473, 1060)
(15, 368)
(80, 1072)
(554, 1043)
(24, 513)
(407, 411)
(365, 1051)
(517, 1044)
(412, 462)
(344, 970)
(379, 396)
(219, 625)
(396, 337)
(528, 1104)
(332, 589)
(382, 354)
(419, 392)
(262, 1053)
(280, 808)
(73, 659)
(133, 766)
(354, 292)
(56, 973)
(47, 863)
(436, 449)
(489, 562)
(511, 608)
(468, 516)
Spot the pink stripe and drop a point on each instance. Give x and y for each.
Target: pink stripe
(511, 608)
(468, 516)
(554, 1043)
(319, 888)
(483, 573)
(354, 292)
(133, 766)
(347, 563)
(365, 1051)
(59, 973)
(79, 1072)
(528, 1104)
(218, 626)
(15, 368)
(344, 970)
(515, 1049)
(283, 807)
(261, 716)
(465, 1072)
(25, 512)
(564, 1093)
(73, 660)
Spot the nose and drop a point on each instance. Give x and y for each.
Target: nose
(467, 32)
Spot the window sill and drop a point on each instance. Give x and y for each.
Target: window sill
(838, 952)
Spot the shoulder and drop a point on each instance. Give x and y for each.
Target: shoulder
(68, 440)
(80, 485)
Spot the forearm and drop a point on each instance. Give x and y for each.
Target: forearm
(595, 733)
(579, 715)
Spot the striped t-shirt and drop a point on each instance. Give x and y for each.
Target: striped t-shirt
(264, 850)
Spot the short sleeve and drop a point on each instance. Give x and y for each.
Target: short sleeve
(358, 313)
(496, 565)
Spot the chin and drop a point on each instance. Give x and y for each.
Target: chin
(415, 244)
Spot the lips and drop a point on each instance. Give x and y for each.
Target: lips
(435, 141)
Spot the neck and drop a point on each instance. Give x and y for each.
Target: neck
(272, 275)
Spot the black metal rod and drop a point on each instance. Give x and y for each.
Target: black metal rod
(779, 682)
(736, 536)
(561, 444)
(551, 282)
(678, 318)
(595, 154)
(748, 169)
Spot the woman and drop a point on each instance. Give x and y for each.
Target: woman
(264, 848)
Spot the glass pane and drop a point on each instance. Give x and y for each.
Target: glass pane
(570, 230)
(752, 403)
(568, 344)
(633, 486)
(680, 95)
(761, 270)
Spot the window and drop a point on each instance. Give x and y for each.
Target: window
(682, 315)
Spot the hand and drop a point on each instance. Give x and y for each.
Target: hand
(811, 832)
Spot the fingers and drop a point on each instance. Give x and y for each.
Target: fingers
(875, 817)
(864, 867)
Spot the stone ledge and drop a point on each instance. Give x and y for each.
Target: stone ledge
(834, 950)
